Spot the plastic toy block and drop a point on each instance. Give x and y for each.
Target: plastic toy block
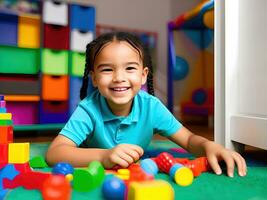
(38, 162)
(123, 174)
(5, 116)
(23, 167)
(113, 188)
(2, 103)
(6, 134)
(7, 173)
(165, 161)
(97, 170)
(82, 180)
(29, 180)
(2, 110)
(197, 165)
(3, 194)
(5, 122)
(156, 190)
(18, 152)
(138, 174)
(56, 187)
(3, 154)
(2, 97)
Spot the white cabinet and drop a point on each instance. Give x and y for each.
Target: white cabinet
(241, 73)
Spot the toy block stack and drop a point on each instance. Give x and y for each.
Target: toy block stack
(10, 153)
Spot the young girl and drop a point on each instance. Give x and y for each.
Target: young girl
(115, 124)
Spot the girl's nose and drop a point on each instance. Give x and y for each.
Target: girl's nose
(118, 76)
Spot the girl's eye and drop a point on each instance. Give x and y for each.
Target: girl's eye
(131, 68)
(106, 70)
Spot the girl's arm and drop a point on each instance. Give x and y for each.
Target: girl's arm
(201, 146)
(63, 149)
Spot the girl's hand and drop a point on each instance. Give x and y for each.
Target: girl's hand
(216, 153)
(123, 155)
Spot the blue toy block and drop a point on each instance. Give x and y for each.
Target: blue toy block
(2, 110)
(82, 18)
(2, 97)
(3, 194)
(9, 172)
(9, 29)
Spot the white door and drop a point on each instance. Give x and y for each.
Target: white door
(241, 73)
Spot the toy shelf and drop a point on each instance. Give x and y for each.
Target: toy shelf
(39, 127)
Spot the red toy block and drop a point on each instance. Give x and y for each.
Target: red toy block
(197, 165)
(165, 161)
(28, 180)
(3, 155)
(23, 167)
(138, 174)
(6, 134)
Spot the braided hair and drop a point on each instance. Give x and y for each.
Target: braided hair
(94, 47)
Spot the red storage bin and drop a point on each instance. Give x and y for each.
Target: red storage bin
(56, 37)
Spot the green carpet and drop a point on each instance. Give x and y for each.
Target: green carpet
(207, 186)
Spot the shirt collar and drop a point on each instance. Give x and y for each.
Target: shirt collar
(109, 116)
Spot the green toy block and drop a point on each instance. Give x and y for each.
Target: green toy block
(97, 170)
(82, 180)
(6, 122)
(38, 162)
(77, 64)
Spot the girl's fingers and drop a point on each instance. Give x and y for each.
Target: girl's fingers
(214, 164)
(230, 163)
(121, 159)
(138, 149)
(241, 164)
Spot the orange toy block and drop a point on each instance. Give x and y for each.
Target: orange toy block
(18, 152)
(6, 134)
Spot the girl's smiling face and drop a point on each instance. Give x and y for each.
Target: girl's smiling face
(119, 74)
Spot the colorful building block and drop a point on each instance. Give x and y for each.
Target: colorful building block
(38, 162)
(5, 122)
(18, 152)
(156, 190)
(7, 173)
(5, 116)
(6, 134)
(3, 154)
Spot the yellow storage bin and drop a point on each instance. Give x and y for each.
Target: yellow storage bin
(29, 31)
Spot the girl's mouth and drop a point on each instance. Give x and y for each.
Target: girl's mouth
(120, 89)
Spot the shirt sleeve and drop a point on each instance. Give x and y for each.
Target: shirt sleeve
(164, 122)
(79, 126)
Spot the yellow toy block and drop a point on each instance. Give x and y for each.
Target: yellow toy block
(5, 116)
(156, 190)
(18, 152)
(123, 174)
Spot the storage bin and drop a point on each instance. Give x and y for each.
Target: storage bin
(23, 113)
(54, 62)
(29, 31)
(77, 64)
(55, 88)
(9, 29)
(16, 60)
(79, 40)
(53, 112)
(55, 12)
(56, 37)
(14, 85)
(82, 17)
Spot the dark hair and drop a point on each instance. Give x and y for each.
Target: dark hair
(94, 47)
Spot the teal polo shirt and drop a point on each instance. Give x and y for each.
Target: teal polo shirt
(93, 124)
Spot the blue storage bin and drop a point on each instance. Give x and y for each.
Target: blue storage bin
(75, 86)
(82, 18)
(53, 112)
(9, 29)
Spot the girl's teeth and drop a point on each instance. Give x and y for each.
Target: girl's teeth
(119, 89)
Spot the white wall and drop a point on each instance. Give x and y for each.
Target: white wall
(151, 15)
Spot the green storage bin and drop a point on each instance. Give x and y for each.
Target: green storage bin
(77, 64)
(54, 62)
(14, 60)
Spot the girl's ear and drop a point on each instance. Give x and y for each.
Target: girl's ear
(93, 76)
(144, 75)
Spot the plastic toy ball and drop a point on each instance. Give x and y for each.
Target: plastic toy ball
(62, 168)
(181, 69)
(199, 96)
(113, 189)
